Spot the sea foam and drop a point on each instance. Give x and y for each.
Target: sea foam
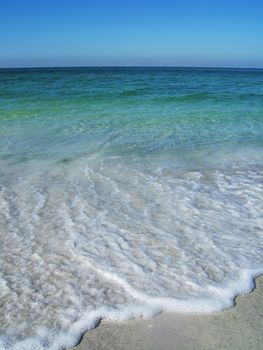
(106, 237)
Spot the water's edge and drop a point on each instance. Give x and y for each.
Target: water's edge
(237, 328)
(97, 322)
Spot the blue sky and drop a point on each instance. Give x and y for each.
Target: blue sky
(113, 32)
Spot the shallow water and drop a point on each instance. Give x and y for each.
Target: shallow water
(125, 192)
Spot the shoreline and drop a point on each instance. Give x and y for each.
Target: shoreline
(239, 327)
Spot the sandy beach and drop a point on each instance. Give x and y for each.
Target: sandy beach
(237, 328)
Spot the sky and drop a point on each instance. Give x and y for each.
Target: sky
(217, 33)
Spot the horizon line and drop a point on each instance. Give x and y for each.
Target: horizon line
(130, 66)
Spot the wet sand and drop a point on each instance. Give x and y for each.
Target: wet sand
(238, 328)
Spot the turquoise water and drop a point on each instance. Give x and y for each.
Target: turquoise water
(125, 192)
(127, 111)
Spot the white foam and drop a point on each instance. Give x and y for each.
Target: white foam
(115, 238)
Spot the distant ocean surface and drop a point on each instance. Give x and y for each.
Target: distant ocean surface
(125, 192)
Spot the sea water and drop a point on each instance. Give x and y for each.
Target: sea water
(125, 192)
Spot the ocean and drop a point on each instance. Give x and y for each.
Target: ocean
(125, 192)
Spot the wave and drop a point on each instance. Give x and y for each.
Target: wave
(110, 237)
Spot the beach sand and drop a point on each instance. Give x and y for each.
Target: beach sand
(238, 328)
